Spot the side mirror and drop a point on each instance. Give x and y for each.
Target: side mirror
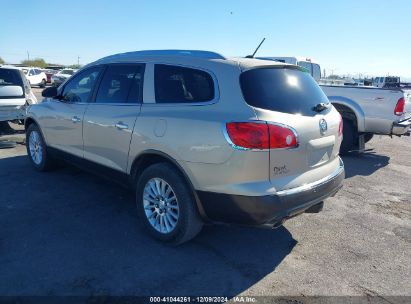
(49, 92)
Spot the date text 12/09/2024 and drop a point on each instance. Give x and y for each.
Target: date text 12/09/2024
(201, 299)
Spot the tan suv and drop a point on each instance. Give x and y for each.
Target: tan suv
(202, 138)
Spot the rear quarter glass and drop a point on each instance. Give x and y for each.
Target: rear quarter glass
(282, 89)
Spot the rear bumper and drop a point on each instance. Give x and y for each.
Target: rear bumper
(12, 112)
(402, 127)
(269, 209)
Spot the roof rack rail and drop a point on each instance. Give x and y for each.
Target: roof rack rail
(191, 53)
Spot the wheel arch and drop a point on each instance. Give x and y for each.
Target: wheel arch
(150, 157)
(349, 109)
(28, 121)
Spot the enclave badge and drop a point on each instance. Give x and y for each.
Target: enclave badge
(323, 126)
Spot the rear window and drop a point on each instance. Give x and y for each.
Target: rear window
(10, 77)
(316, 71)
(287, 90)
(175, 84)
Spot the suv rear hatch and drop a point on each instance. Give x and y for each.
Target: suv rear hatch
(10, 78)
(289, 99)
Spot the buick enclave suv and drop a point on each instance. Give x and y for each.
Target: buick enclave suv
(200, 137)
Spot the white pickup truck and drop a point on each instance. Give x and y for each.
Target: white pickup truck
(365, 110)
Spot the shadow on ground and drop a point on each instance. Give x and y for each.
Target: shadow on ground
(7, 128)
(364, 164)
(71, 233)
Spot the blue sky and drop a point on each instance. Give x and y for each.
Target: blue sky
(368, 37)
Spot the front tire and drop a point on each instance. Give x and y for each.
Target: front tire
(43, 83)
(37, 149)
(166, 205)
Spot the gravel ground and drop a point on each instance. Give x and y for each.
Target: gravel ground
(68, 232)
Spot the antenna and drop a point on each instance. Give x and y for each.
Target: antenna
(252, 56)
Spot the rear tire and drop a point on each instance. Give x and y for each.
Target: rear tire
(5, 127)
(350, 137)
(43, 83)
(173, 221)
(37, 149)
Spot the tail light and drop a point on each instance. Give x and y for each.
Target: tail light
(282, 137)
(399, 107)
(252, 135)
(340, 126)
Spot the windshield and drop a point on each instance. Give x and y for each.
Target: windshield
(283, 89)
(69, 72)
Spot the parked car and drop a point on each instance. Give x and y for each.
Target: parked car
(203, 138)
(386, 82)
(61, 76)
(49, 74)
(35, 76)
(15, 94)
(365, 110)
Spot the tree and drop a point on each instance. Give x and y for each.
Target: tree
(1, 61)
(37, 62)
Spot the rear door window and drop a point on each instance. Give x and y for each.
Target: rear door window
(121, 83)
(175, 84)
(282, 89)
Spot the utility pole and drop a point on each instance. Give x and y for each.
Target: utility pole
(28, 56)
(78, 60)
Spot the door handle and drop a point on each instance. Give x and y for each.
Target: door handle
(121, 126)
(75, 119)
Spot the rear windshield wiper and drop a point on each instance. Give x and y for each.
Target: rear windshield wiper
(321, 107)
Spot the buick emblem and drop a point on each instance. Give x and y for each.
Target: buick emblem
(323, 126)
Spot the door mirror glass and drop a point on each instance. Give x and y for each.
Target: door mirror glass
(11, 91)
(49, 92)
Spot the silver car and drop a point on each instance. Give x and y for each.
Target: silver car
(200, 137)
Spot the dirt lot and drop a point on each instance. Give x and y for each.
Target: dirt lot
(68, 232)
